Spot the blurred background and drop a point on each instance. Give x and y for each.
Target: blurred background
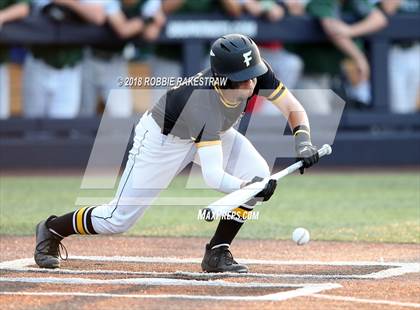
(61, 59)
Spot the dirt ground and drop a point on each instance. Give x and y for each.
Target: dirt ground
(164, 273)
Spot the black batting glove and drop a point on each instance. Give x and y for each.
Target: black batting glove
(305, 151)
(268, 190)
(308, 154)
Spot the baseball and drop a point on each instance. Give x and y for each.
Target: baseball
(301, 236)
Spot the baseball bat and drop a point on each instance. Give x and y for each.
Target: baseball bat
(241, 196)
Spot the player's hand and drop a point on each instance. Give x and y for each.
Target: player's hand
(308, 153)
(268, 190)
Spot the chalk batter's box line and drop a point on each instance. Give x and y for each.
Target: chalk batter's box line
(295, 290)
(208, 297)
(395, 269)
(161, 282)
(299, 292)
(308, 289)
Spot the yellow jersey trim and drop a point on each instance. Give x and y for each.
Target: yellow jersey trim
(277, 100)
(225, 102)
(208, 143)
(275, 92)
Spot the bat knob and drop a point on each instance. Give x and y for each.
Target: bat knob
(328, 149)
(208, 214)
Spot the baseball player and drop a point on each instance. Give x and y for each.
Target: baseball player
(192, 123)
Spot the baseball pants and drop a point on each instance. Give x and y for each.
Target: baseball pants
(4, 92)
(99, 77)
(50, 92)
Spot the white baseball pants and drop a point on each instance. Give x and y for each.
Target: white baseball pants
(99, 77)
(50, 92)
(404, 75)
(4, 92)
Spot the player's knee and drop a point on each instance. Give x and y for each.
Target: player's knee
(119, 229)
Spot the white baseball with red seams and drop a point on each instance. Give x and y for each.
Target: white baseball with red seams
(301, 236)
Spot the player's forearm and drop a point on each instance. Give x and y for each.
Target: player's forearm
(296, 8)
(298, 118)
(232, 7)
(132, 28)
(126, 28)
(347, 46)
(374, 22)
(159, 19)
(253, 7)
(292, 110)
(390, 7)
(170, 6)
(91, 13)
(211, 161)
(14, 12)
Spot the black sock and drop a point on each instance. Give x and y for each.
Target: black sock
(77, 222)
(225, 232)
(228, 227)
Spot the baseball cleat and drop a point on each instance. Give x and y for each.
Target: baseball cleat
(47, 251)
(220, 259)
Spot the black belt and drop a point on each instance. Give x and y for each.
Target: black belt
(406, 44)
(104, 55)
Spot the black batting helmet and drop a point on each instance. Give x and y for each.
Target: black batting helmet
(236, 57)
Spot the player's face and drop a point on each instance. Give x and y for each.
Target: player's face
(240, 91)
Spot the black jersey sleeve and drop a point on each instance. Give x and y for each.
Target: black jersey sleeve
(269, 86)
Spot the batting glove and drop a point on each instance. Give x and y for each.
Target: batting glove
(268, 190)
(305, 151)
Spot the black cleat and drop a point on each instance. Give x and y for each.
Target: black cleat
(220, 259)
(47, 250)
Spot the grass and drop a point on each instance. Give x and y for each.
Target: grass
(382, 207)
